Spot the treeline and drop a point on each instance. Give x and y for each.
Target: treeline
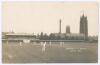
(53, 36)
(44, 36)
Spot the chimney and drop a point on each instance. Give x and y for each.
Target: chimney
(60, 26)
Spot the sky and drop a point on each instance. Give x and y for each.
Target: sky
(37, 17)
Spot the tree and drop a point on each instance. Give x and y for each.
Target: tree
(41, 36)
(45, 37)
(51, 36)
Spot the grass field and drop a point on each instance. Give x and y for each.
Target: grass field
(69, 52)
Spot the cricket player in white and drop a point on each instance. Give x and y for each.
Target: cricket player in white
(43, 47)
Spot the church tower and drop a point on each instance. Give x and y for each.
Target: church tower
(84, 26)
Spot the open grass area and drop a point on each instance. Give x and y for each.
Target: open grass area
(69, 52)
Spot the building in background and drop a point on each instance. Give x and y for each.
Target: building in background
(19, 37)
(68, 29)
(84, 26)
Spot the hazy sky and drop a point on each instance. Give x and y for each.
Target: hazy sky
(39, 17)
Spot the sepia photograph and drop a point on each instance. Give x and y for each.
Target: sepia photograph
(50, 32)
